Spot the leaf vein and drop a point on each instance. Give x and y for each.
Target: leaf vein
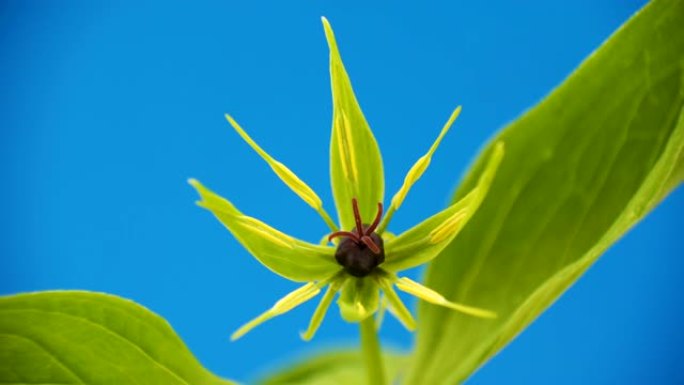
(110, 331)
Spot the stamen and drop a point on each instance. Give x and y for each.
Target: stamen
(376, 221)
(357, 217)
(344, 234)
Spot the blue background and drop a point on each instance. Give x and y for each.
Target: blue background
(107, 108)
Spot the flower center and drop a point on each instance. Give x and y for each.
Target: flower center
(361, 250)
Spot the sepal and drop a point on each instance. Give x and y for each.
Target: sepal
(287, 256)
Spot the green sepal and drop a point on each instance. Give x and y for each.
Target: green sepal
(359, 299)
(394, 303)
(355, 161)
(284, 255)
(426, 240)
(323, 305)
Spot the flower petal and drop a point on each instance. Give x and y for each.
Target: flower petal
(287, 176)
(322, 308)
(284, 255)
(380, 315)
(355, 161)
(426, 240)
(417, 171)
(426, 294)
(287, 303)
(396, 305)
(359, 299)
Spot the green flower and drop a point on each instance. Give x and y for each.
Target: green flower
(363, 259)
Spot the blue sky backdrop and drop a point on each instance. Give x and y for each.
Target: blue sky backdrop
(106, 108)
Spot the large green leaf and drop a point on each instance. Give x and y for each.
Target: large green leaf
(71, 337)
(580, 169)
(332, 368)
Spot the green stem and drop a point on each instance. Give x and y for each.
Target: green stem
(370, 349)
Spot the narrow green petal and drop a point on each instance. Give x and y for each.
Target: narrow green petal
(417, 171)
(426, 240)
(355, 161)
(359, 299)
(322, 308)
(287, 303)
(426, 294)
(397, 307)
(382, 309)
(284, 255)
(288, 177)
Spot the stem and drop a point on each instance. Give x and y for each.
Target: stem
(370, 348)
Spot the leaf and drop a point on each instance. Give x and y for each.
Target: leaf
(426, 240)
(581, 168)
(74, 337)
(332, 368)
(355, 161)
(284, 255)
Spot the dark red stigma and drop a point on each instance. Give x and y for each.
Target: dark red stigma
(361, 250)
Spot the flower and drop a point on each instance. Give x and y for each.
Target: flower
(362, 259)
